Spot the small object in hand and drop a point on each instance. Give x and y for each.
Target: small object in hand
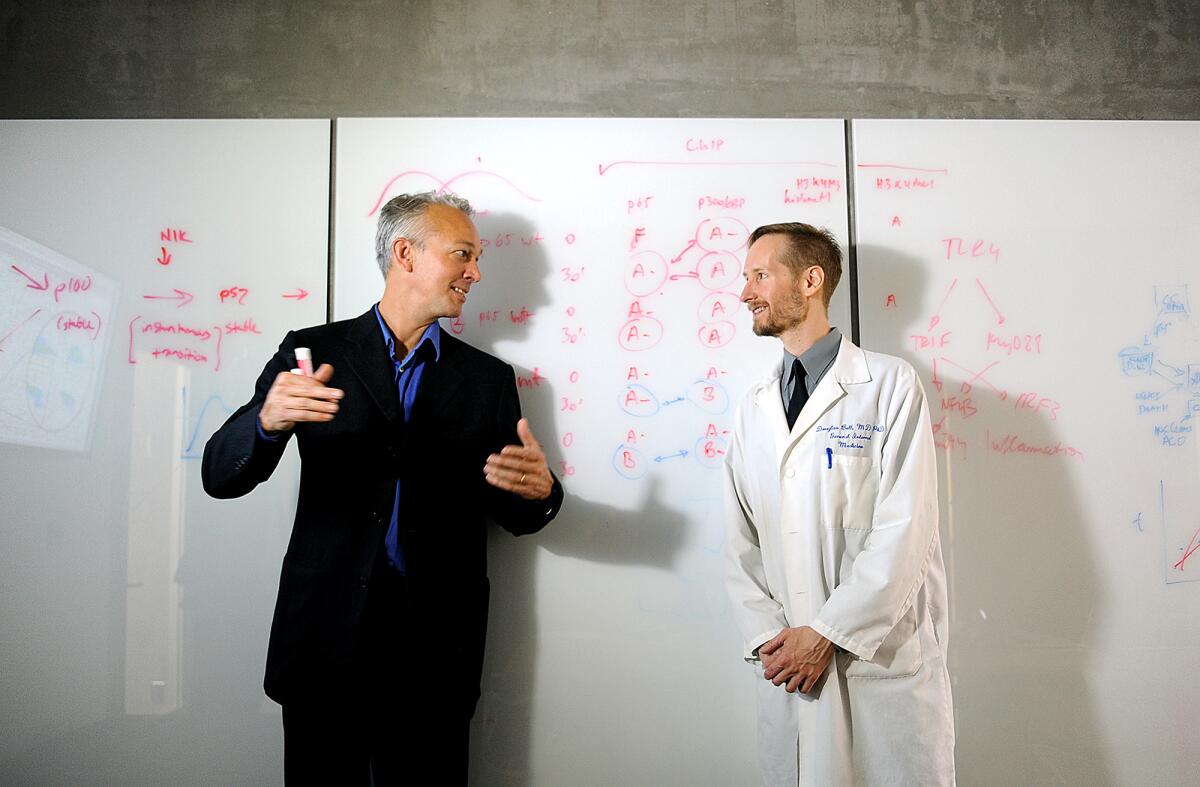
(304, 361)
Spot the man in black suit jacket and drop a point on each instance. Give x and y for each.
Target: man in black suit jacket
(410, 440)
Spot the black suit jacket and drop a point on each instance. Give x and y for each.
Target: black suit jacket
(466, 409)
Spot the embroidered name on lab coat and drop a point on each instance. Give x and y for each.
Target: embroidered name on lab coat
(851, 435)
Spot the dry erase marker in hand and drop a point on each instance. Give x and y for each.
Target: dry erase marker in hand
(304, 361)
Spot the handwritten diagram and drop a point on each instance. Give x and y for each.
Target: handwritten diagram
(54, 326)
(975, 349)
(185, 319)
(612, 272)
(679, 299)
(1165, 366)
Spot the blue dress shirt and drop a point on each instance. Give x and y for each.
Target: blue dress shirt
(409, 371)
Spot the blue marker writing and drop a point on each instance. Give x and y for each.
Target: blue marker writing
(829, 456)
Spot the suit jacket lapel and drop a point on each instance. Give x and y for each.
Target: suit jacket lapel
(367, 357)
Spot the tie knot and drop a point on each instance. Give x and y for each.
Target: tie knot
(797, 370)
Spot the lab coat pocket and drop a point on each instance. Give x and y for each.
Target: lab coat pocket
(848, 487)
(899, 655)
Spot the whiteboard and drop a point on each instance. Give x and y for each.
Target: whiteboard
(1043, 277)
(611, 272)
(149, 269)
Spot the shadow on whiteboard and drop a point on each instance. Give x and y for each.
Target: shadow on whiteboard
(1028, 607)
(514, 268)
(591, 535)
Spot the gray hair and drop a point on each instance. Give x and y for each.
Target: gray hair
(403, 217)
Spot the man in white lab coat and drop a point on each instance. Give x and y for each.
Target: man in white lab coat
(834, 565)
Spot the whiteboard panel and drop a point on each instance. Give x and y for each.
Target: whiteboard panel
(1042, 276)
(611, 271)
(149, 269)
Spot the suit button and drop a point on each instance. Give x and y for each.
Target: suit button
(362, 581)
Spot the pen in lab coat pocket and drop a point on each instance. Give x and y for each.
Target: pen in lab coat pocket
(829, 457)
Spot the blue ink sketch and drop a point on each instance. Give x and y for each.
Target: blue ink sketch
(1136, 361)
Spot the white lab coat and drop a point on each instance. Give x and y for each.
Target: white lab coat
(834, 525)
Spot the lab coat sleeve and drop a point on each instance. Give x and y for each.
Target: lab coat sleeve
(758, 615)
(886, 576)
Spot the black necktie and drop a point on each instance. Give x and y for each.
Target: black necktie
(799, 393)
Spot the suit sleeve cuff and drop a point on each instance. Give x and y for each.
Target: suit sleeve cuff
(263, 434)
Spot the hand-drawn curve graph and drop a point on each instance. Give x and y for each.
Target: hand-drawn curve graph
(390, 190)
(213, 412)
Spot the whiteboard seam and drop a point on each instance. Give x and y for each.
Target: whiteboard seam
(851, 237)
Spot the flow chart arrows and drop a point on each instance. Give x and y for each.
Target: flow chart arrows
(34, 284)
(184, 298)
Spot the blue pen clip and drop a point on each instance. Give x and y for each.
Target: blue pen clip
(829, 457)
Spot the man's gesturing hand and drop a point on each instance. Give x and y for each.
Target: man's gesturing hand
(521, 469)
(294, 398)
(796, 657)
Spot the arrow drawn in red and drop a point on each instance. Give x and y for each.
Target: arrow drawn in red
(14, 330)
(602, 168)
(299, 295)
(164, 258)
(184, 298)
(691, 245)
(936, 318)
(34, 284)
(999, 316)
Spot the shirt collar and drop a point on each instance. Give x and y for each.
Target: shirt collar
(432, 337)
(815, 359)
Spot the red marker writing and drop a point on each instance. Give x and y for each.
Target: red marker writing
(304, 361)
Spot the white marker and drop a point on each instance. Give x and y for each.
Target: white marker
(304, 361)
